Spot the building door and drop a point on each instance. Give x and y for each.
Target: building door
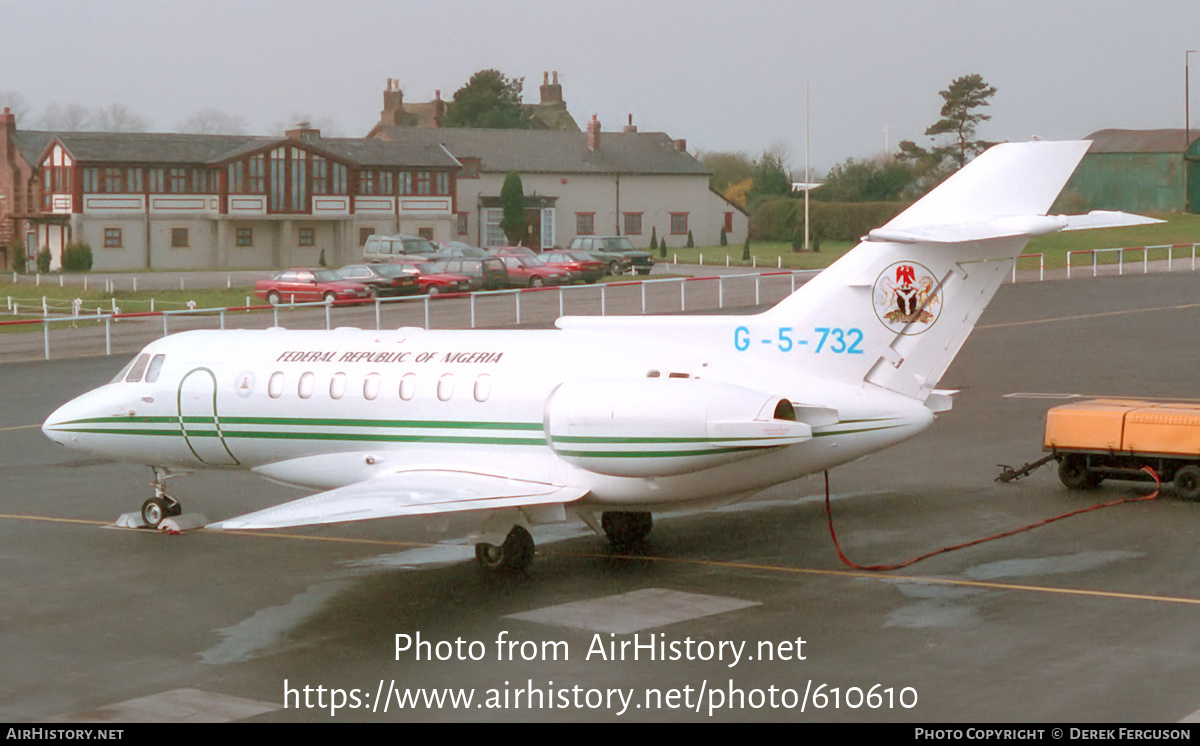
(533, 228)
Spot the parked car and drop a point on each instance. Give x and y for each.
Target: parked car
(383, 279)
(530, 271)
(308, 285)
(435, 283)
(449, 249)
(511, 251)
(580, 262)
(487, 273)
(380, 248)
(614, 249)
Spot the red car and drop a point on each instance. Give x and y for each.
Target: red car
(433, 283)
(531, 271)
(308, 285)
(579, 262)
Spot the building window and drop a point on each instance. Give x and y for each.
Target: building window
(157, 181)
(424, 182)
(179, 238)
(405, 183)
(425, 233)
(112, 238)
(443, 183)
(492, 233)
(245, 236)
(470, 169)
(729, 222)
(585, 223)
(633, 224)
(112, 180)
(463, 223)
(308, 237)
(679, 223)
(91, 179)
(177, 180)
(364, 234)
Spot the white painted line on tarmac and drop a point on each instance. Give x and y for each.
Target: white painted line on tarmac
(175, 706)
(631, 612)
(1040, 395)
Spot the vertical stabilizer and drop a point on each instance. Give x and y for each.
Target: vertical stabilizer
(896, 310)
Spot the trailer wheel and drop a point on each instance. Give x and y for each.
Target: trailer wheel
(1073, 472)
(1187, 483)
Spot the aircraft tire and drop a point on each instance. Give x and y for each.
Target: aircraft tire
(1187, 483)
(513, 555)
(625, 529)
(155, 510)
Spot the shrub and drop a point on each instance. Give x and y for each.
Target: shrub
(691, 242)
(16, 251)
(781, 219)
(77, 257)
(321, 261)
(653, 240)
(746, 250)
(724, 238)
(43, 260)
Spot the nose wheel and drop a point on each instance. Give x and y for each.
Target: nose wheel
(162, 505)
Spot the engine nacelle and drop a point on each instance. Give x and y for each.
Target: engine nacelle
(648, 427)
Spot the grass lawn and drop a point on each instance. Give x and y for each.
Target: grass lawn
(767, 253)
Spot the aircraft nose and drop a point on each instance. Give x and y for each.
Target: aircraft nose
(63, 424)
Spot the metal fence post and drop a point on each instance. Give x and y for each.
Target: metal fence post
(643, 297)
(46, 336)
(720, 292)
(682, 296)
(473, 307)
(107, 335)
(517, 296)
(164, 315)
(603, 300)
(377, 322)
(222, 319)
(426, 310)
(560, 300)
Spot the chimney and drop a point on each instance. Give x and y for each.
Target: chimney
(551, 92)
(393, 103)
(439, 108)
(304, 132)
(593, 134)
(680, 145)
(630, 127)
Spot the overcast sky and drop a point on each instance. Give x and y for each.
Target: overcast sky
(722, 75)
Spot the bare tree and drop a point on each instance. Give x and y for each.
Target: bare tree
(214, 122)
(119, 118)
(69, 118)
(15, 103)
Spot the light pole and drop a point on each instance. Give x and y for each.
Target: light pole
(1187, 120)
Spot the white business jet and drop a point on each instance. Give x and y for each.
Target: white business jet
(605, 419)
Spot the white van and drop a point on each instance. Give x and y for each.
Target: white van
(379, 249)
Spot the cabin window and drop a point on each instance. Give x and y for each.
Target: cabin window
(337, 386)
(371, 386)
(305, 389)
(445, 387)
(483, 387)
(275, 385)
(408, 386)
(139, 367)
(155, 368)
(121, 375)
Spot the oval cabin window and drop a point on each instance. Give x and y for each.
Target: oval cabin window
(445, 388)
(275, 385)
(483, 387)
(305, 389)
(337, 386)
(371, 386)
(408, 386)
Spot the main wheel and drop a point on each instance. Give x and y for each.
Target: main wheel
(1187, 483)
(514, 554)
(1073, 472)
(155, 510)
(273, 298)
(625, 529)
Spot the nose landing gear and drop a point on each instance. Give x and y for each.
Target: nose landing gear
(162, 505)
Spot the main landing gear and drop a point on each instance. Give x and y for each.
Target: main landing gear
(626, 530)
(161, 505)
(513, 555)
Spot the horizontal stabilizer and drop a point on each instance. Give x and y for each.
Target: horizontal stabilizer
(420, 492)
(1007, 227)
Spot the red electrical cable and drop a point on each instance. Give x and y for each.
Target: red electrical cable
(943, 550)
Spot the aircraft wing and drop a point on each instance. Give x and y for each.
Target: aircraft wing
(416, 492)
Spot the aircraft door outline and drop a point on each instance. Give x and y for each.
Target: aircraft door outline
(197, 401)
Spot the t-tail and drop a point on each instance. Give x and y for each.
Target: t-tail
(896, 310)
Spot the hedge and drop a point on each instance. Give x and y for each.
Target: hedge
(782, 219)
